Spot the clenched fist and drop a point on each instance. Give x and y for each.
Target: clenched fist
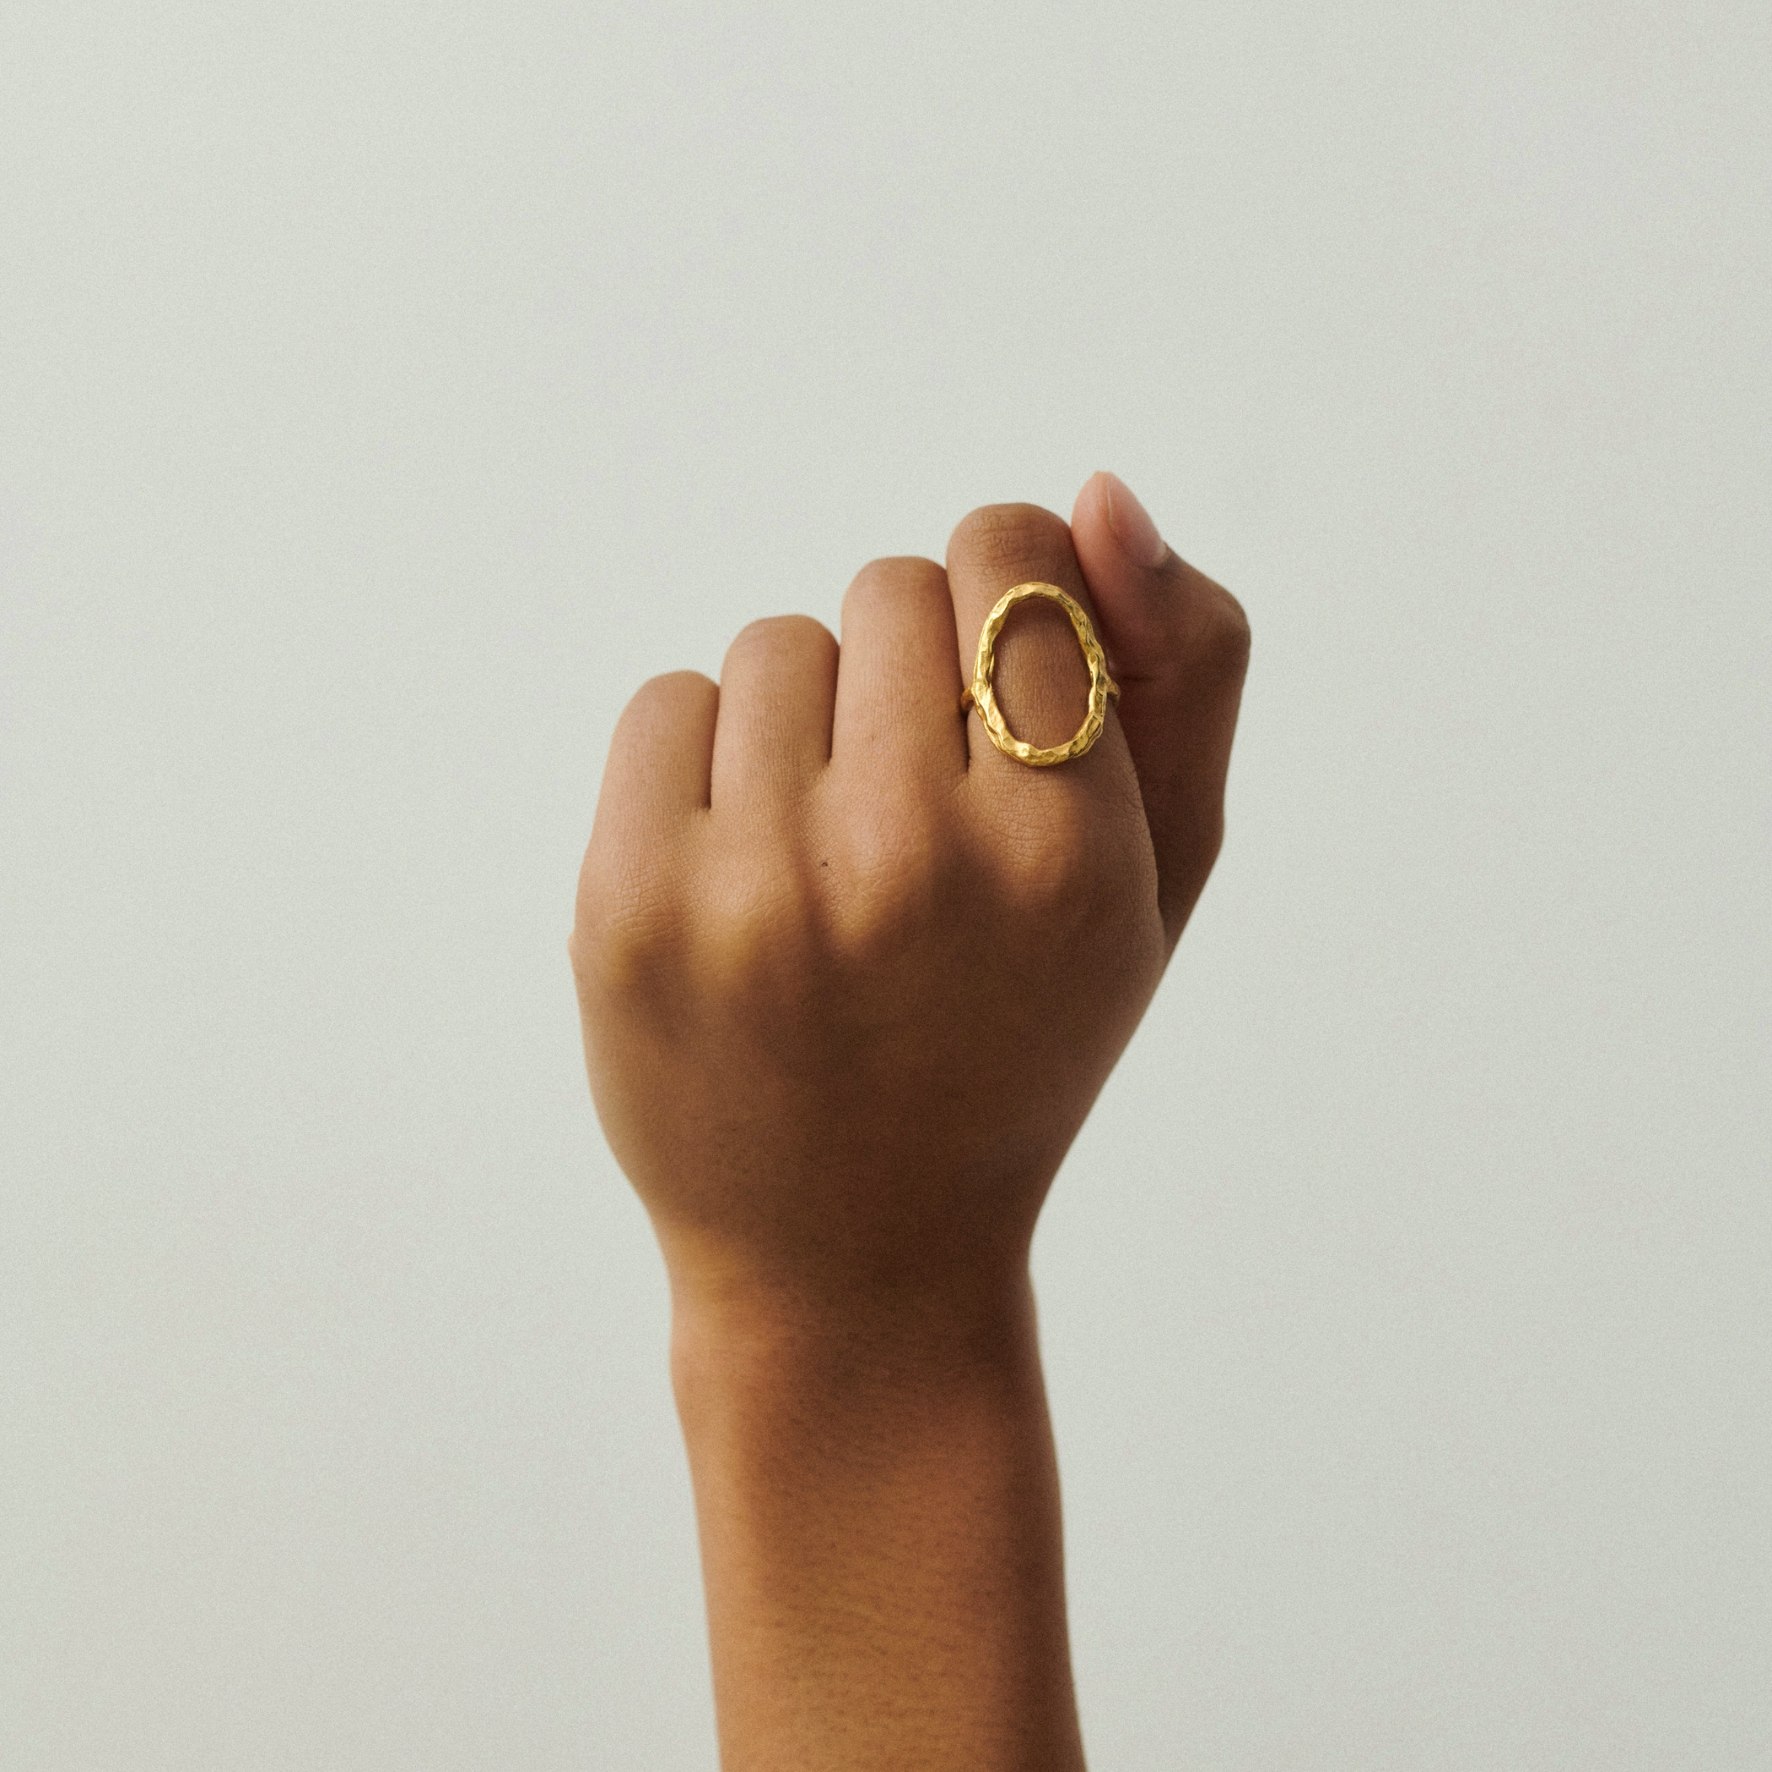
(851, 977)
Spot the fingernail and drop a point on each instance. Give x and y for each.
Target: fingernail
(1132, 525)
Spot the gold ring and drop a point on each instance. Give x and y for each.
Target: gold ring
(982, 694)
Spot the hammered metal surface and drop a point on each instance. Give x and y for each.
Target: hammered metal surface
(983, 696)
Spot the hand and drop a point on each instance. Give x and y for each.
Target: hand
(850, 977)
(850, 981)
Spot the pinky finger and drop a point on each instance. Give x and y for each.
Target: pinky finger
(656, 779)
(661, 755)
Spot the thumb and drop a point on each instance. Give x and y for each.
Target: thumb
(1178, 645)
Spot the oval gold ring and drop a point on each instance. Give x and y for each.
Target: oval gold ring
(983, 696)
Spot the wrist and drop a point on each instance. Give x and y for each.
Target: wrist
(771, 1351)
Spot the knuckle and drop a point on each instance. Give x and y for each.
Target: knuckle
(1006, 535)
(666, 697)
(754, 924)
(890, 579)
(625, 926)
(1227, 635)
(1202, 831)
(1046, 858)
(899, 873)
(1071, 868)
(1191, 854)
(774, 636)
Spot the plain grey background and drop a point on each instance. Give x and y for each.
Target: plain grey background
(386, 389)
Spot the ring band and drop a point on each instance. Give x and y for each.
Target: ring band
(982, 693)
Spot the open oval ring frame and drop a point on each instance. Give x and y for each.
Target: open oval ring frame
(982, 693)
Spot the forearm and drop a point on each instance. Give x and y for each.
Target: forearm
(879, 1517)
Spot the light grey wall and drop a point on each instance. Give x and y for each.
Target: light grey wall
(386, 389)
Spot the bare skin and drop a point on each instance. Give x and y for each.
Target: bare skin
(850, 980)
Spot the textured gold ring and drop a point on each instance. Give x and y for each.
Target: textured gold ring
(983, 695)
